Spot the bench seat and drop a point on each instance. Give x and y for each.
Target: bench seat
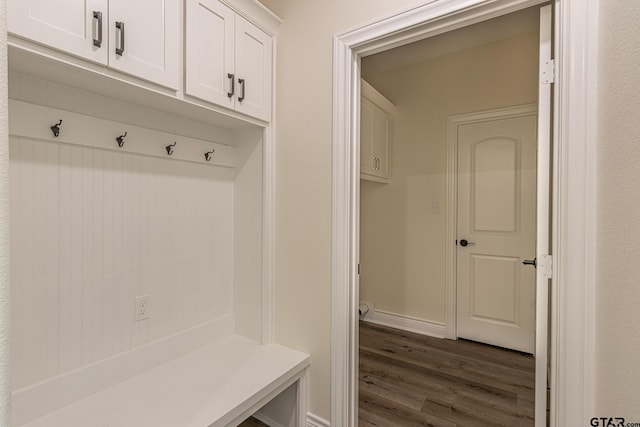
(217, 385)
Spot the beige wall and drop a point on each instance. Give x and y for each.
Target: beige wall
(618, 233)
(303, 181)
(402, 240)
(303, 234)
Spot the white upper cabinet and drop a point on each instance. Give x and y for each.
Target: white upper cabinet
(144, 39)
(253, 70)
(376, 114)
(145, 43)
(229, 60)
(73, 26)
(210, 54)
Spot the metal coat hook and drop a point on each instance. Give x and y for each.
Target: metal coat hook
(120, 140)
(170, 148)
(56, 128)
(207, 155)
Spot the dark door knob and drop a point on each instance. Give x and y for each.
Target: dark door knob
(465, 242)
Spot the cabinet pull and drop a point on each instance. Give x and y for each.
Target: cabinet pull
(244, 87)
(233, 85)
(97, 42)
(373, 163)
(377, 163)
(120, 26)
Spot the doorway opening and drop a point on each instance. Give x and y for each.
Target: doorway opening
(465, 105)
(573, 191)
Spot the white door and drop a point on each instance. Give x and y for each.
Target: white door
(77, 27)
(144, 39)
(497, 231)
(253, 70)
(210, 44)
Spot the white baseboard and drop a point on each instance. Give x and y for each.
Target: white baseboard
(40, 399)
(406, 323)
(315, 421)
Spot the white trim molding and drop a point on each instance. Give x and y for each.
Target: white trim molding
(406, 323)
(573, 214)
(315, 421)
(5, 284)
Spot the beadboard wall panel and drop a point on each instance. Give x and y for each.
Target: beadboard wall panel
(92, 229)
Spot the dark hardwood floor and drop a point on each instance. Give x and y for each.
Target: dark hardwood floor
(408, 379)
(252, 422)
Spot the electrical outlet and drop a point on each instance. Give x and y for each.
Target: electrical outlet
(142, 307)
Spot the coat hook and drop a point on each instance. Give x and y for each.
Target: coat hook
(170, 148)
(120, 140)
(56, 128)
(207, 155)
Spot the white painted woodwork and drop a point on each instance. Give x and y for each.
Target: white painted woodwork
(34, 121)
(41, 399)
(254, 70)
(152, 39)
(375, 134)
(249, 183)
(218, 385)
(248, 236)
(152, 33)
(66, 25)
(543, 202)
(115, 223)
(210, 51)
(220, 43)
(405, 323)
(496, 212)
(93, 229)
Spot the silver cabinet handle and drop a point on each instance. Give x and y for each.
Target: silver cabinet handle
(97, 42)
(377, 163)
(373, 163)
(120, 26)
(233, 84)
(244, 87)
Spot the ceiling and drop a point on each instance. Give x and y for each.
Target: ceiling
(503, 27)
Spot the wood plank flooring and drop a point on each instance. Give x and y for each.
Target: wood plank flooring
(252, 422)
(409, 379)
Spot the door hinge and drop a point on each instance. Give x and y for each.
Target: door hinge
(548, 72)
(545, 264)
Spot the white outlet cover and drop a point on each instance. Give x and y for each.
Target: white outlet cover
(142, 307)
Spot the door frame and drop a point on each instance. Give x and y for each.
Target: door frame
(451, 227)
(573, 191)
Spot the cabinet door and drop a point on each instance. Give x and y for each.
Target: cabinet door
(367, 162)
(210, 44)
(66, 25)
(253, 70)
(380, 142)
(144, 39)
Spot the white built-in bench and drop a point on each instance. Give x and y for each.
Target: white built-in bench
(220, 384)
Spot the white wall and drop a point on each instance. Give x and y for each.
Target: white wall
(303, 181)
(402, 240)
(618, 239)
